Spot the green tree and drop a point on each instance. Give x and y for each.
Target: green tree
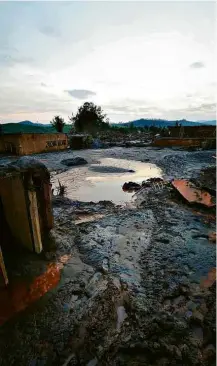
(90, 118)
(58, 123)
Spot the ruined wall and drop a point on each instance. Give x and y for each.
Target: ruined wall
(14, 204)
(185, 142)
(30, 143)
(10, 143)
(193, 131)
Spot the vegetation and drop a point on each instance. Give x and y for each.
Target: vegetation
(58, 123)
(90, 119)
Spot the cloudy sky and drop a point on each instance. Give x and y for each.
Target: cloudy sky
(135, 59)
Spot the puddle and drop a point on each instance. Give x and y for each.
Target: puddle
(18, 296)
(105, 180)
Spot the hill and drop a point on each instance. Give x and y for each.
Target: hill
(31, 127)
(164, 123)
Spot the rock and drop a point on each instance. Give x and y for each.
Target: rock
(167, 303)
(209, 351)
(74, 161)
(178, 300)
(131, 187)
(197, 317)
(198, 334)
(192, 305)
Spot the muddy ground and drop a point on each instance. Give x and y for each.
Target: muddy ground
(118, 283)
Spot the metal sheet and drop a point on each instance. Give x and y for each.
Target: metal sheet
(192, 194)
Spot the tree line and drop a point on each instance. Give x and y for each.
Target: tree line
(91, 119)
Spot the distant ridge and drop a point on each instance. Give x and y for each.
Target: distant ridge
(36, 127)
(34, 123)
(164, 123)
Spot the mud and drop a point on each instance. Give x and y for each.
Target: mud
(135, 283)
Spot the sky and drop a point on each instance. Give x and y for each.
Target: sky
(134, 59)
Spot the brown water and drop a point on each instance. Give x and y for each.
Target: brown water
(88, 183)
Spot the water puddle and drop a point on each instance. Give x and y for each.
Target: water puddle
(104, 181)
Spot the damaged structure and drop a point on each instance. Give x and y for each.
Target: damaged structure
(25, 206)
(189, 136)
(31, 143)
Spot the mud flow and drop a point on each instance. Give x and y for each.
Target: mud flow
(127, 277)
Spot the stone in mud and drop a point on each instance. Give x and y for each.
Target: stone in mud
(74, 161)
(131, 187)
(197, 317)
(209, 351)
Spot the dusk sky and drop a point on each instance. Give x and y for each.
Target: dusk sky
(135, 59)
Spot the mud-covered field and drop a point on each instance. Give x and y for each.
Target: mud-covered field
(122, 282)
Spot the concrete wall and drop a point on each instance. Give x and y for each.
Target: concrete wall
(193, 131)
(30, 143)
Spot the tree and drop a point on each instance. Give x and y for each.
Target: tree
(1, 129)
(58, 123)
(90, 118)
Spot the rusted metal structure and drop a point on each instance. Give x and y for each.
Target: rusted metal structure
(193, 194)
(25, 206)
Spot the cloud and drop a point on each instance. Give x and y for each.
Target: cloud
(80, 93)
(49, 31)
(44, 85)
(10, 60)
(197, 65)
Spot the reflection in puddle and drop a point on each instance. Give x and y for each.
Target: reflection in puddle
(106, 183)
(17, 297)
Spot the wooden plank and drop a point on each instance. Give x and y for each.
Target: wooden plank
(15, 209)
(3, 269)
(34, 218)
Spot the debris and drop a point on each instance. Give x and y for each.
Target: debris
(212, 237)
(210, 280)
(61, 190)
(192, 194)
